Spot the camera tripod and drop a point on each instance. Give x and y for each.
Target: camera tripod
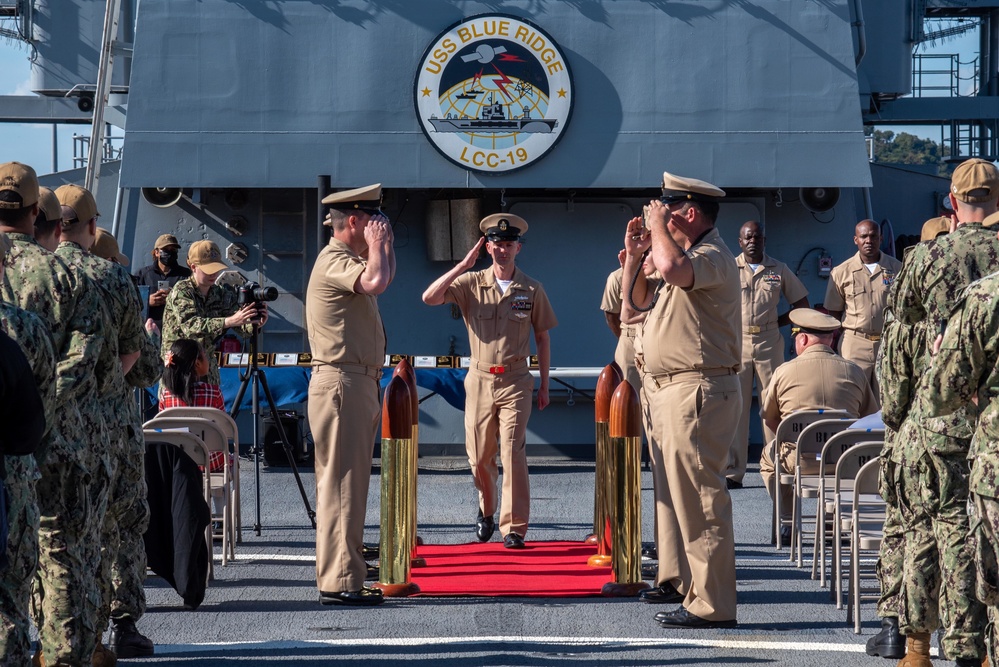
(254, 374)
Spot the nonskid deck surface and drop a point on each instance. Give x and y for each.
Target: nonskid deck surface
(264, 606)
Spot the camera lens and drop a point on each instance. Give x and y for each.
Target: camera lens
(265, 294)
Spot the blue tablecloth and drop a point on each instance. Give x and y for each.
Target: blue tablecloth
(291, 385)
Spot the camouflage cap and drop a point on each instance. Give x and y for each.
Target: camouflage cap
(975, 181)
(106, 247)
(49, 204)
(934, 227)
(21, 180)
(503, 227)
(206, 256)
(80, 200)
(809, 320)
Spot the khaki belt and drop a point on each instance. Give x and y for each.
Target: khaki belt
(660, 378)
(499, 369)
(760, 329)
(358, 369)
(871, 337)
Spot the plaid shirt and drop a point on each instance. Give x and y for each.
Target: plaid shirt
(205, 396)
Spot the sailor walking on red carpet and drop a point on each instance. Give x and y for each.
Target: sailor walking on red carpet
(501, 306)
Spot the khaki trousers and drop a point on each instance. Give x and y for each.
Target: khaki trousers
(692, 419)
(862, 352)
(624, 357)
(497, 408)
(786, 455)
(343, 416)
(761, 355)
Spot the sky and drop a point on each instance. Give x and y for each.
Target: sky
(33, 145)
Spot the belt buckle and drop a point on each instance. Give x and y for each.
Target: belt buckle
(753, 329)
(874, 337)
(497, 370)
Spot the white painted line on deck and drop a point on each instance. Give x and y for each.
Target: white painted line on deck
(524, 641)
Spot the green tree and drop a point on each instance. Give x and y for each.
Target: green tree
(905, 148)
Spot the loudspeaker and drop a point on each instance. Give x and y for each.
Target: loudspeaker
(818, 200)
(162, 197)
(273, 449)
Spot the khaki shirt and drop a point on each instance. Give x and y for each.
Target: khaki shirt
(818, 378)
(861, 295)
(700, 327)
(762, 289)
(499, 325)
(613, 299)
(344, 327)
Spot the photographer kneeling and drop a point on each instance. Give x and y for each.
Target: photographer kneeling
(198, 309)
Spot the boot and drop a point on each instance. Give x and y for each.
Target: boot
(889, 643)
(917, 651)
(38, 660)
(127, 641)
(103, 657)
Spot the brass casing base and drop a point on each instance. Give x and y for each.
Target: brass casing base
(599, 560)
(397, 590)
(612, 589)
(418, 561)
(591, 539)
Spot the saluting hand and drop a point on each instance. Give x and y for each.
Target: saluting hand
(472, 256)
(636, 238)
(378, 231)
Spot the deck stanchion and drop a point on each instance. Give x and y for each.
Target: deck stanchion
(610, 377)
(625, 509)
(404, 370)
(397, 529)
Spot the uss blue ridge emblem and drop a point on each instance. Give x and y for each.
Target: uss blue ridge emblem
(493, 93)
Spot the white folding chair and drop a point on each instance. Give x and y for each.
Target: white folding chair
(866, 532)
(787, 431)
(215, 440)
(807, 467)
(831, 452)
(849, 464)
(194, 447)
(228, 424)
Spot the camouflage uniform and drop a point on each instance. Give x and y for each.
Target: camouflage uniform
(968, 364)
(21, 476)
(123, 335)
(39, 281)
(930, 456)
(187, 314)
(129, 567)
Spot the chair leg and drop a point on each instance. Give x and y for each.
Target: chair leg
(855, 576)
(777, 509)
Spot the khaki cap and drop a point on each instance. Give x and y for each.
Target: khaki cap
(49, 204)
(5, 247)
(106, 247)
(80, 200)
(975, 174)
(206, 256)
(934, 227)
(21, 180)
(678, 188)
(809, 320)
(370, 196)
(165, 241)
(503, 227)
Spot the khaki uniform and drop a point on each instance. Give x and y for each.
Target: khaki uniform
(818, 378)
(624, 353)
(762, 342)
(21, 475)
(691, 349)
(347, 340)
(862, 297)
(499, 387)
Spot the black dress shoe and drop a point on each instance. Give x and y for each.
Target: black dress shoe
(681, 618)
(650, 571)
(366, 597)
(372, 572)
(785, 536)
(484, 527)
(733, 484)
(513, 541)
(662, 594)
(649, 551)
(889, 643)
(370, 551)
(968, 662)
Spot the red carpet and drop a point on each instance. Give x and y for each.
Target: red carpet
(542, 569)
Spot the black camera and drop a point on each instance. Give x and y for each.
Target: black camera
(252, 292)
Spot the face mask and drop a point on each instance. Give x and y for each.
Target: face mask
(168, 257)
